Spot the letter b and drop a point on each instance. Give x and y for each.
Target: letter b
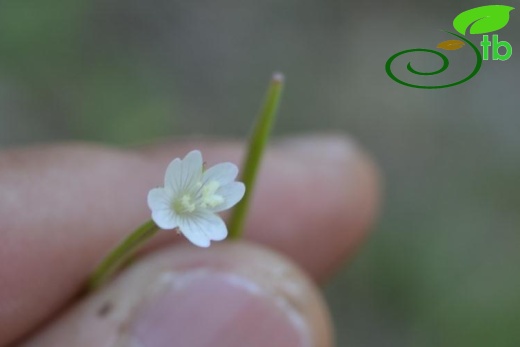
(496, 46)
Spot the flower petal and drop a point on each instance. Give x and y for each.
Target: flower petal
(158, 199)
(203, 227)
(165, 219)
(171, 177)
(232, 193)
(191, 170)
(223, 173)
(182, 174)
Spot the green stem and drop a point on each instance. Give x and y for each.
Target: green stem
(257, 144)
(120, 254)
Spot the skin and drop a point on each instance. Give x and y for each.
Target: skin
(64, 206)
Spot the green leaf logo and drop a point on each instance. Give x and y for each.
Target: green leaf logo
(482, 20)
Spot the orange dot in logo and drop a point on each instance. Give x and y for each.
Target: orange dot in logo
(451, 45)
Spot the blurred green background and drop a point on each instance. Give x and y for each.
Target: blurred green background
(442, 267)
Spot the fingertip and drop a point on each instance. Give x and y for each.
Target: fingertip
(317, 197)
(233, 294)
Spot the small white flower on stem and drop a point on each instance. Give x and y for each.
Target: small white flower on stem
(192, 197)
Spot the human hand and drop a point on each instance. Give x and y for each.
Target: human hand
(62, 207)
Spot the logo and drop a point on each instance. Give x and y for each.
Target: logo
(479, 21)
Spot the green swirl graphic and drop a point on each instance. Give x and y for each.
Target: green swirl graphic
(445, 64)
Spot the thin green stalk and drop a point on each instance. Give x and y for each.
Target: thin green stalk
(257, 144)
(120, 254)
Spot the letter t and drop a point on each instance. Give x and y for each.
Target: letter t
(485, 47)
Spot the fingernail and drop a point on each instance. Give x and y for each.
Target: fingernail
(322, 147)
(216, 309)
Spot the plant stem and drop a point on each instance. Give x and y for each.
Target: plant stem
(120, 254)
(257, 144)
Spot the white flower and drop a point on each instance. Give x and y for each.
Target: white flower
(191, 198)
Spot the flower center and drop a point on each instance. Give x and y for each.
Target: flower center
(184, 204)
(209, 196)
(204, 197)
